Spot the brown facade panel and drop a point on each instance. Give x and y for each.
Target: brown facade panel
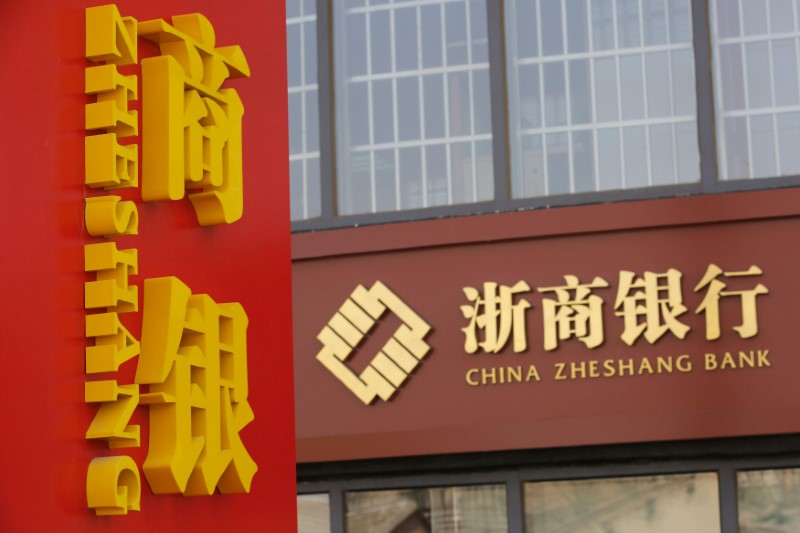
(640, 322)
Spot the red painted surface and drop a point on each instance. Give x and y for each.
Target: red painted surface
(43, 453)
(436, 412)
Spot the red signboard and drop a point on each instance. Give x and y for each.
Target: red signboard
(45, 268)
(637, 322)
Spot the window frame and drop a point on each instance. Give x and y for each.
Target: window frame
(725, 457)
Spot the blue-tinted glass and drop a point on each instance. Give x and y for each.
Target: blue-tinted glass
(355, 33)
(557, 163)
(380, 41)
(405, 34)
(411, 178)
(456, 33)
(580, 93)
(312, 121)
(526, 33)
(577, 26)
(434, 106)
(310, 52)
(294, 67)
(408, 109)
(357, 116)
(555, 94)
(385, 182)
(431, 16)
(436, 167)
(382, 111)
(552, 29)
(583, 160)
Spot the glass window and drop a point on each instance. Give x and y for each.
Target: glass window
(688, 503)
(313, 513)
(757, 81)
(301, 65)
(413, 115)
(430, 510)
(601, 95)
(769, 500)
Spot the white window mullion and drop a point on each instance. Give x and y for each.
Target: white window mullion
(472, 107)
(446, 91)
(396, 129)
(423, 134)
(567, 96)
(542, 100)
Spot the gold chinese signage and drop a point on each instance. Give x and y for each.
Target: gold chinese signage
(649, 306)
(191, 359)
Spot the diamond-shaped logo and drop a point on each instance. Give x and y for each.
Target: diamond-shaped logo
(393, 364)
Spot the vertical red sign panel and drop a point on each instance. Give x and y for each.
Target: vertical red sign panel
(44, 453)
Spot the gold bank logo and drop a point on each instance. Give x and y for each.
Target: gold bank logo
(393, 364)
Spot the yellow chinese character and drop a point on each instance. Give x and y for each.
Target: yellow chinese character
(497, 316)
(194, 358)
(580, 316)
(657, 298)
(191, 127)
(715, 289)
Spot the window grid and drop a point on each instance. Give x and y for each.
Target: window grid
(708, 129)
(765, 150)
(538, 136)
(303, 161)
(360, 156)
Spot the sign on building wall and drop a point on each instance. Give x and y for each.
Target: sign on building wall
(632, 335)
(148, 265)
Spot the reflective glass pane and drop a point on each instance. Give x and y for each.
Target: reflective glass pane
(558, 174)
(301, 59)
(608, 154)
(763, 146)
(584, 75)
(602, 23)
(313, 513)
(756, 45)
(688, 503)
(769, 501)
(688, 158)
(605, 85)
(680, 21)
(412, 78)
(433, 510)
(662, 159)
(577, 25)
(551, 27)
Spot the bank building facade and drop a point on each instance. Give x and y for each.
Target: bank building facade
(546, 265)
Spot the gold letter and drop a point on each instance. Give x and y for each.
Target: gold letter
(117, 405)
(113, 486)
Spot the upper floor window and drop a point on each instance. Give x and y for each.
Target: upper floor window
(756, 87)
(601, 95)
(428, 108)
(413, 105)
(301, 51)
